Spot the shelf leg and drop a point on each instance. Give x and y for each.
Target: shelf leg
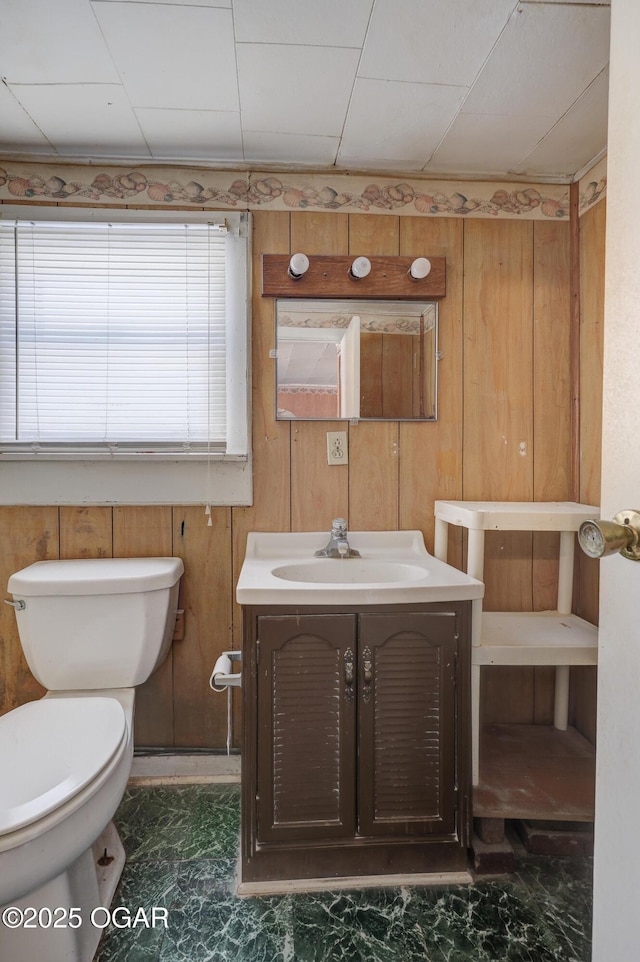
(441, 540)
(565, 573)
(475, 554)
(561, 702)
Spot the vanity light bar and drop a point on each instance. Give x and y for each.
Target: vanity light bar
(322, 276)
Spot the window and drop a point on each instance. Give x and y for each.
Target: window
(123, 339)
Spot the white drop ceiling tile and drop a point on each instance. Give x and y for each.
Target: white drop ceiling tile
(602, 3)
(172, 57)
(17, 130)
(180, 3)
(289, 148)
(192, 134)
(84, 119)
(546, 57)
(576, 139)
(294, 89)
(53, 42)
(486, 143)
(427, 41)
(332, 23)
(392, 123)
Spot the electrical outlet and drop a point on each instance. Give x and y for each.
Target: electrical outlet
(337, 447)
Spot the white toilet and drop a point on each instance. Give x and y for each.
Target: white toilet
(91, 630)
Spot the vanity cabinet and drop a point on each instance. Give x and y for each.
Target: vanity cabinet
(356, 740)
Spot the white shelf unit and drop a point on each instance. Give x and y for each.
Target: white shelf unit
(557, 637)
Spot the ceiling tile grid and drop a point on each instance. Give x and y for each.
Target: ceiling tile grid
(505, 89)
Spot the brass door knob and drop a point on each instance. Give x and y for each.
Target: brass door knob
(622, 535)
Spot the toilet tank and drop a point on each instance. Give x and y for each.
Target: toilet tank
(96, 622)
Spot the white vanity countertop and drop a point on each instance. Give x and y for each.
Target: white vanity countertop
(394, 567)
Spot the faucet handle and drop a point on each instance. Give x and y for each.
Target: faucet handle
(339, 525)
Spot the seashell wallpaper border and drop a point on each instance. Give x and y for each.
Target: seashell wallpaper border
(373, 323)
(593, 186)
(181, 187)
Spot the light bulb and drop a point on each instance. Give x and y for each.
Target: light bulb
(298, 265)
(420, 268)
(360, 267)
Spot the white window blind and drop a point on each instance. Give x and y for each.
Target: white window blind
(116, 337)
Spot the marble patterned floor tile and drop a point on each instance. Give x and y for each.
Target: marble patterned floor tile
(204, 877)
(485, 922)
(182, 847)
(174, 886)
(186, 822)
(228, 929)
(563, 891)
(125, 945)
(142, 885)
(369, 925)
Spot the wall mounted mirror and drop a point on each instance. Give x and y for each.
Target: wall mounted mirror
(369, 360)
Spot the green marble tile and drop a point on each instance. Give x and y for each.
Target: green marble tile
(142, 885)
(182, 845)
(187, 822)
(125, 945)
(372, 925)
(228, 929)
(204, 877)
(485, 922)
(563, 891)
(215, 824)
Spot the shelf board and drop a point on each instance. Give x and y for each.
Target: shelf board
(516, 515)
(535, 638)
(535, 772)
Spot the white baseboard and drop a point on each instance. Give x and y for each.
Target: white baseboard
(156, 769)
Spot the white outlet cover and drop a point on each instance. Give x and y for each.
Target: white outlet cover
(337, 447)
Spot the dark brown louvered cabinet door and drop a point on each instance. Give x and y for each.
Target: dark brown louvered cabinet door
(306, 727)
(407, 723)
(356, 740)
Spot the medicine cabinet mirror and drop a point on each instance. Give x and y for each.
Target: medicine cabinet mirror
(365, 360)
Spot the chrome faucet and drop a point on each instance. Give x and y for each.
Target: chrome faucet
(337, 546)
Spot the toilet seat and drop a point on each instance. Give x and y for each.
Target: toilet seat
(51, 749)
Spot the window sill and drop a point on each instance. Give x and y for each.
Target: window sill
(139, 480)
(70, 454)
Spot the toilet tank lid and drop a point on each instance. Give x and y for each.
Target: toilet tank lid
(96, 576)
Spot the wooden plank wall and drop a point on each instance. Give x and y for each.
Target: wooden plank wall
(503, 433)
(517, 440)
(392, 377)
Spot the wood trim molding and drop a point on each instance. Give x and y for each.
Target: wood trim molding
(574, 337)
(329, 277)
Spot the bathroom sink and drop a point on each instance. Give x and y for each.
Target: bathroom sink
(351, 571)
(394, 567)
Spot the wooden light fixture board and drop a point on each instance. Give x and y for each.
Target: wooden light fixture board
(329, 276)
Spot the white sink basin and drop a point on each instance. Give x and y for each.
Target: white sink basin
(349, 571)
(394, 567)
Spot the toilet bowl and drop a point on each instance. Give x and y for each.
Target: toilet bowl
(66, 758)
